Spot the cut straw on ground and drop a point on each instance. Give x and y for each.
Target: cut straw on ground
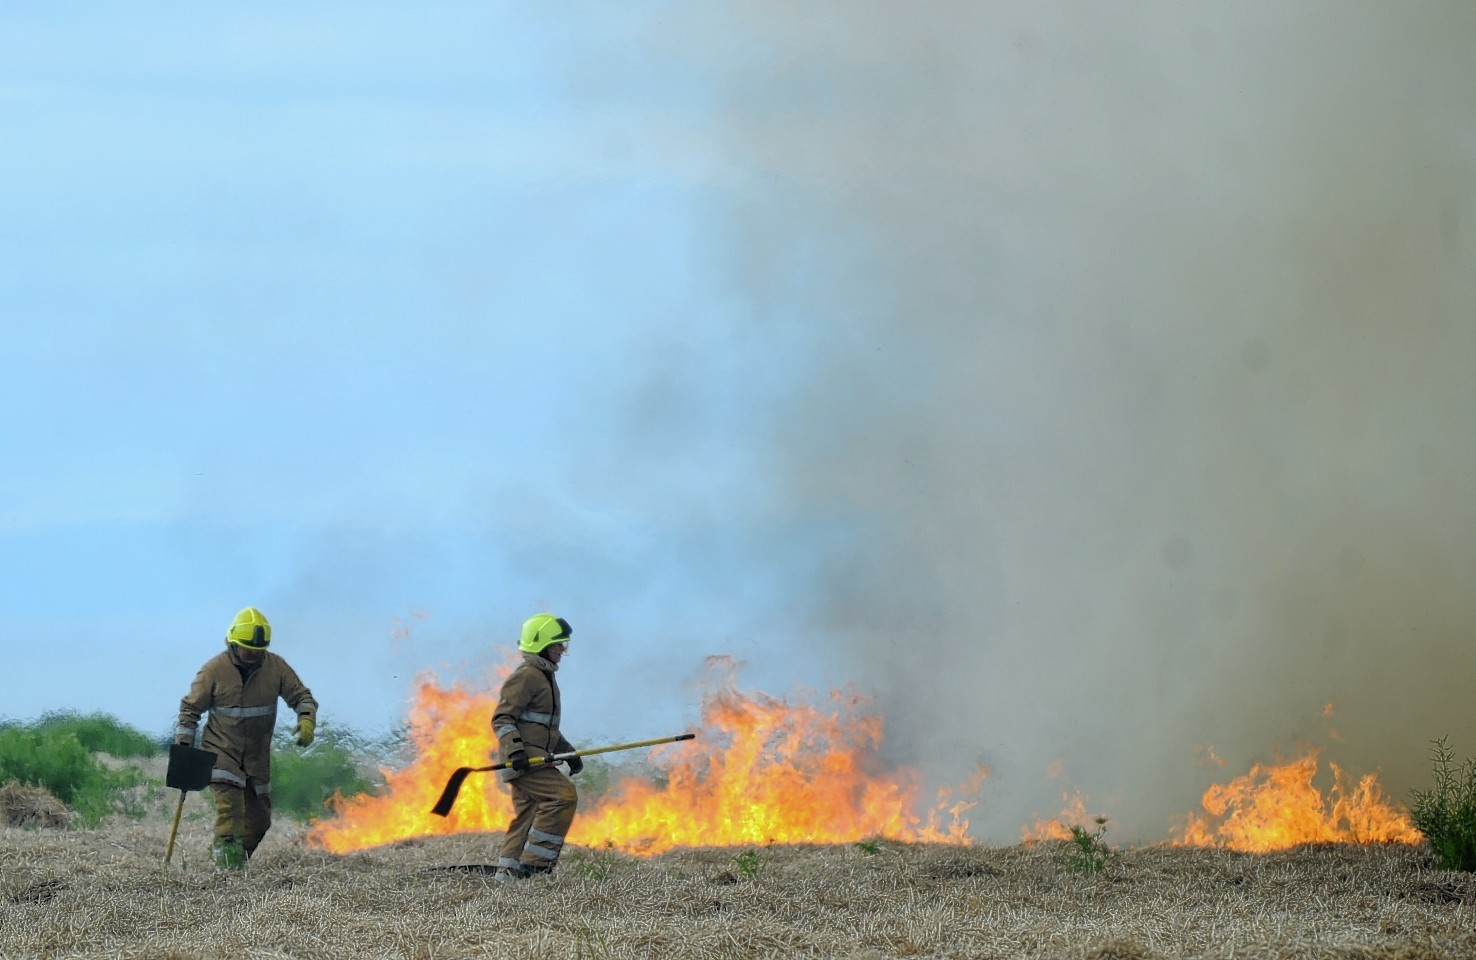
(103, 893)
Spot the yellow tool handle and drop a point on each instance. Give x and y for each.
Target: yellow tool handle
(557, 757)
(179, 808)
(453, 786)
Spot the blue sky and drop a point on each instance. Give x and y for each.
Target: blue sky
(370, 317)
(1089, 386)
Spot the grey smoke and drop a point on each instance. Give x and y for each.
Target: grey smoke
(1140, 371)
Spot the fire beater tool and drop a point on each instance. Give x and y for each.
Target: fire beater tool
(189, 769)
(453, 786)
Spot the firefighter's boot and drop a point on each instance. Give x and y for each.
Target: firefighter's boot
(229, 855)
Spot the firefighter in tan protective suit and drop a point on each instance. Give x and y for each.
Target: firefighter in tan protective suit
(526, 723)
(239, 687)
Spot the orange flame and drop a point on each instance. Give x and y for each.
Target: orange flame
(447, 728)
(1073, 814)
(1278, 806)
(761, 770)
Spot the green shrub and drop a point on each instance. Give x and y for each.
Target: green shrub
(1088, 852)
(100, 733)
(56, 761)
(304, 778)
(1446, 815)
(116, 792)
(57, 752)
(51, 754)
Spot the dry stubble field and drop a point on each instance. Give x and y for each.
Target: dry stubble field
(103, 893)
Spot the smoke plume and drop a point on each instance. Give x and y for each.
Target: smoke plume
(1139, 376)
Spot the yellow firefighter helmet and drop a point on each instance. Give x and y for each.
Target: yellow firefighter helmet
(250, 630)
(544, 631)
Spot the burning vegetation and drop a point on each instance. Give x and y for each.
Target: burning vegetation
(779, 831)
(762, 770)
(1277, 806)
(769, 770)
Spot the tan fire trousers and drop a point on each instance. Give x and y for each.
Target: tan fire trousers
(544, 801)
(244, 815)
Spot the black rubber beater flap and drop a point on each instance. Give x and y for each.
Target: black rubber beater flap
(189, 769)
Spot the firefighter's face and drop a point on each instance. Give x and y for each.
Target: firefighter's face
(555, 651)
(246, 655)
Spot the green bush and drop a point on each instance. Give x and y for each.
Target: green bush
(58, 752)
(100, 733)
(1446, 815)
(115, 792)
(304, 778)
(50, 753)
(57, 762)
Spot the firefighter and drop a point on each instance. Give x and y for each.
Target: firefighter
(526, 723)
(239, 687)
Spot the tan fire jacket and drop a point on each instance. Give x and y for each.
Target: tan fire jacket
(527, 714)
(242, 715)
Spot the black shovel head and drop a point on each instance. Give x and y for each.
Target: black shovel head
(189, 769)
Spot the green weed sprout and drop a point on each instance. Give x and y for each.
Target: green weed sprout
(1089, 853)
(748, 863)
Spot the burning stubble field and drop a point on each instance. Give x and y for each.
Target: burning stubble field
(730, 845)
(104, 893)
(734, 848)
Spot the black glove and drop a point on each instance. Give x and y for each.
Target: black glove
(518, 760)
(575, 765)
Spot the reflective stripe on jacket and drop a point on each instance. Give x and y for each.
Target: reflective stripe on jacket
(527, 714)
(242, 715)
